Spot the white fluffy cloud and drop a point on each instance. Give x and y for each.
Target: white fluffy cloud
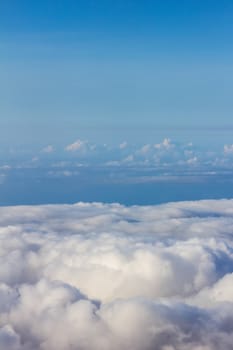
(165, 144)
(76, 146)
(110, 277)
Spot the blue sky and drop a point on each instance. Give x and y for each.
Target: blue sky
(115, 70)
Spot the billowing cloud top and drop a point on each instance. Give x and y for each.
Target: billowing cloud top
(110, 277)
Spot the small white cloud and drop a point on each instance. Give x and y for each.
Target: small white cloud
(193, 160)
(228, 149)
(113, 163)
(67, 173)
(48, 149)
(63, 173)
(165, 144)
(145, 149)
(76, 146)
(129, 159)
(123, 145)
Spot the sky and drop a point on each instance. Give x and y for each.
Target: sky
(115, 70)
(116, 173)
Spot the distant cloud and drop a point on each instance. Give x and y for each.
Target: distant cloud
(145, 149)
(228, 149)
(113, 163)
(60, 164)
(193, 160)
(165, 144)
(128, 159)
(110, 277)
(76, 146)
(63, 173)
(48, 149)
(123, 145)
(5, 167)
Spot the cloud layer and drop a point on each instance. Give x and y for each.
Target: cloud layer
(95, 276)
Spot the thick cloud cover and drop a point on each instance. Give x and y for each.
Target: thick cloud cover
(110, 277)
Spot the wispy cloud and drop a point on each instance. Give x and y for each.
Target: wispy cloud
(123, 145)
(48, 149)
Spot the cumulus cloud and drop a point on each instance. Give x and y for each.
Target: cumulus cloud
(97, 276)
(76, 146)
(165, 144)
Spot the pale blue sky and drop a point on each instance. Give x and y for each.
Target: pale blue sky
(104, 70)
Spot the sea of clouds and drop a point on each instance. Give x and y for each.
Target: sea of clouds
(109, 277)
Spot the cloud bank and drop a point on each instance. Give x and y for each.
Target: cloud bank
(97, 276)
